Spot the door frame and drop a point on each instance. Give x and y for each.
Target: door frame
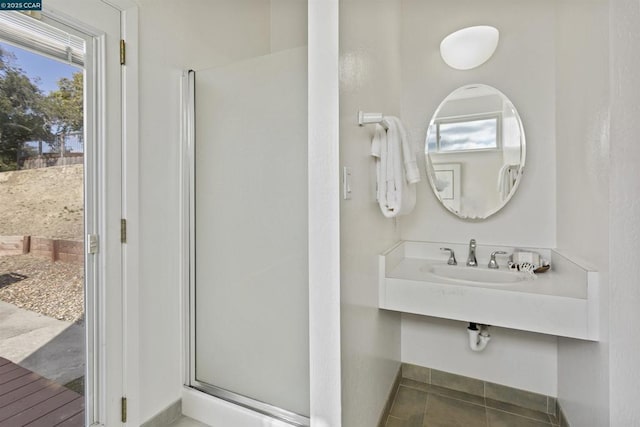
(115, 180)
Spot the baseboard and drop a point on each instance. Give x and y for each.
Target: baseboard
(526, 399)
(562, 417)
(392, 395)
(167, 416)
(172, 412)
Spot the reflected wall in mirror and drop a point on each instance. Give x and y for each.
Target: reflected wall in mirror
(475, 151)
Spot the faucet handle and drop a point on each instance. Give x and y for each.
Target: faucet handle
(492, 262)
(452, 256)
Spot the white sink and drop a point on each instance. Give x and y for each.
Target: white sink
(477, 275)
(415, 278)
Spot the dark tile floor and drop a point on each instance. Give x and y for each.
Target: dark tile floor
(423, 405)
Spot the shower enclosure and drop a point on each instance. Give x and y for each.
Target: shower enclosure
(245, 128)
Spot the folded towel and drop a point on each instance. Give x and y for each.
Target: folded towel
(396, 168)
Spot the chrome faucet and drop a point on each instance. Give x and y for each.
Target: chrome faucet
(492, 262)
(471, 260)
(452, 256)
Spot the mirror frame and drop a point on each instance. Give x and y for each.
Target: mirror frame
(430, 169)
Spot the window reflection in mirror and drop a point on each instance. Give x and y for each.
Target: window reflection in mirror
(465, 133)
(475, 142)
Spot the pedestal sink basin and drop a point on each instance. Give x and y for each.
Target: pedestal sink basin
(477, 275)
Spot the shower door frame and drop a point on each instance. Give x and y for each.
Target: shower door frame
(188, 268)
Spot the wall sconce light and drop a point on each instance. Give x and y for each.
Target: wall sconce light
(469, 47)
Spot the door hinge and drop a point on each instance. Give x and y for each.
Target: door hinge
(123, 231)
(123, 410)
(92, 243)
(123, 52)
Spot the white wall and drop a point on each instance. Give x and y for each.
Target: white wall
(288, 24)
(582, 135)
(369, 81)
(624, 211)
(324, 214)
(519, 359)
(523, 68)
(174, 36)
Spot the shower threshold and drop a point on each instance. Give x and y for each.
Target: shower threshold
(253, 405)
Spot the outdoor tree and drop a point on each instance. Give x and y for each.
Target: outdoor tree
(22, 115)
(64, 108)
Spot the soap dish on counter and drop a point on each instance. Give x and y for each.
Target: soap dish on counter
(527, 267)
(528, 262)
(542, 269)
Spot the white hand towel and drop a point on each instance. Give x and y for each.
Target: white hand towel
(396, 169)
(378, 147)
(411, 170)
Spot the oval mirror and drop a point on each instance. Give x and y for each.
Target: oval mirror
(475, 151)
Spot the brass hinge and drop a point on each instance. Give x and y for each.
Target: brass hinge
(123, 409)
(123, 230)
(123, 52)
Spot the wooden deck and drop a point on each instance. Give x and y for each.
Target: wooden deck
(27, 399)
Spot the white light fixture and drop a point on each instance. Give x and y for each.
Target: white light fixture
(470, 47)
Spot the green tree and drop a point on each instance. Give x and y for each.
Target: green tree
(21, 111)
(64, 107)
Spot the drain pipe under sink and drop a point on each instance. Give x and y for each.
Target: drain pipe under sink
(478, 338)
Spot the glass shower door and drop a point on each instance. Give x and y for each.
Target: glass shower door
(249, 290)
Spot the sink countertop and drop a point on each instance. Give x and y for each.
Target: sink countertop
(563, 301)
(549, 283)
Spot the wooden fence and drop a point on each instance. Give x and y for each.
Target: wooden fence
(53, 249)
(48, 160)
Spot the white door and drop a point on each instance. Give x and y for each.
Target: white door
(99, 24)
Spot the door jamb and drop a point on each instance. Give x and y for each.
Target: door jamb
(129, 203)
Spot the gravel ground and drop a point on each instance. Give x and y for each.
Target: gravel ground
(54, 289)
(45, 202)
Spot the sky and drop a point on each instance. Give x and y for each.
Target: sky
(48, 70)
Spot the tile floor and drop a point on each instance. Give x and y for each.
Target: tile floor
(425, 405)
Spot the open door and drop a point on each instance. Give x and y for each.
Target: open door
(99, 24)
